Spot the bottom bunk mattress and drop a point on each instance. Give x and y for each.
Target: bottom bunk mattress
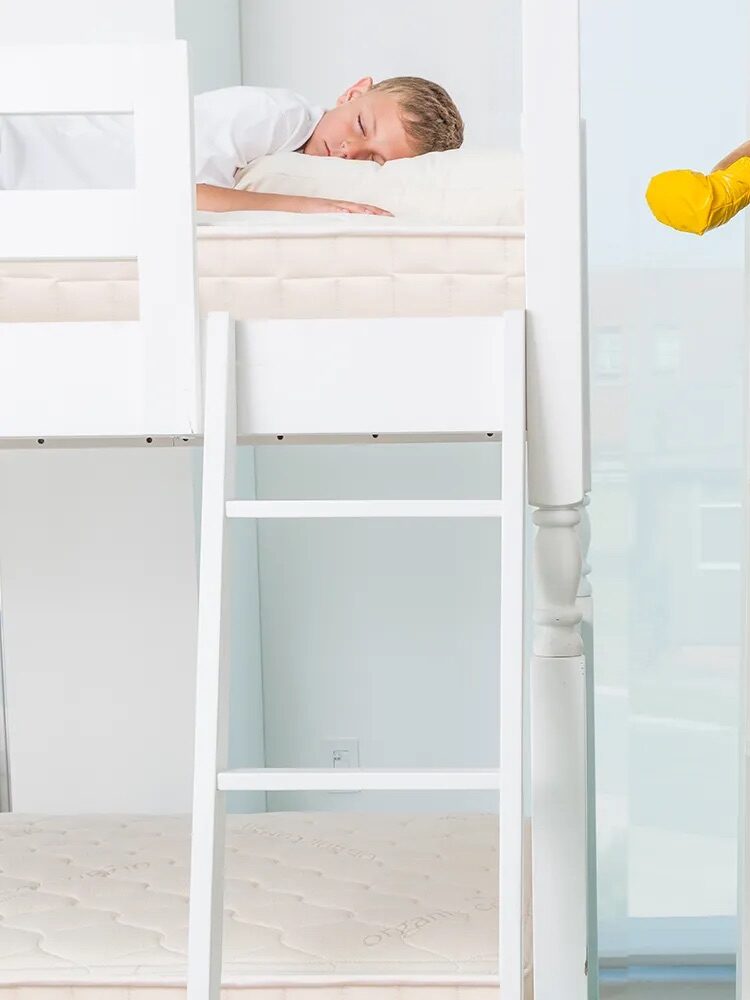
(96, 907)
(268, 265)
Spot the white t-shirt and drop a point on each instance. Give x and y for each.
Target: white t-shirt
(232, 127)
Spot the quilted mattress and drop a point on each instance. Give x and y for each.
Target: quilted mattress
(95, 908)
(278, 265)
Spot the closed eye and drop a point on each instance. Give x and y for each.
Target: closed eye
(359, 121)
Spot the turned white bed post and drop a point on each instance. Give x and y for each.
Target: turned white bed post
(558, 484)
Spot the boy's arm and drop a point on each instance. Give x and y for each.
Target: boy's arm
(219, 199)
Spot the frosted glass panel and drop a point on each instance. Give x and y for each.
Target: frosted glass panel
(667, 350)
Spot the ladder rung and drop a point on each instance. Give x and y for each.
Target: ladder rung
(364, 508)
(297, 779)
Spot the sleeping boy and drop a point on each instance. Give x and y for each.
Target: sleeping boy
(400, 117)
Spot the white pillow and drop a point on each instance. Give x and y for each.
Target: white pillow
(459, 187)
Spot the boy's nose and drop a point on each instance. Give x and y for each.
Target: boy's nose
(351, 150)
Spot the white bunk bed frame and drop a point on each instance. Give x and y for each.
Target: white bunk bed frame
(141, 382)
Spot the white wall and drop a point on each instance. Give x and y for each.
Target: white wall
(211, 28)
(42, 21)
(319, 49)
(98, 577)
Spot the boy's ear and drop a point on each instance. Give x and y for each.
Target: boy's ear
(356, 90)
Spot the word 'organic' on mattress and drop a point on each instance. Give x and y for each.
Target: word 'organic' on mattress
(103, 901)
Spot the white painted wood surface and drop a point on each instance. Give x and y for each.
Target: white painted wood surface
(367, 376)
(212, 677)
(69, 71)
(559, 806)
(294, 779)
(39, 224)
(404, 379)
(558, 760)
(585, 603)
(363, 508)
(73, 379)
(154, 224)
(165, 185)
(554, 267)
(512, 659)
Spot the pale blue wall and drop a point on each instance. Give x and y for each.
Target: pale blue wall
(321, 48)
(212, 29)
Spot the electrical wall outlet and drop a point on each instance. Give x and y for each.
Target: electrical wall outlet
(341, 753)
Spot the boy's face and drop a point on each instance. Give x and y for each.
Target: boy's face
(364, 125)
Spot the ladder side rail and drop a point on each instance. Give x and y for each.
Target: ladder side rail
(212, 681)
(511, 907)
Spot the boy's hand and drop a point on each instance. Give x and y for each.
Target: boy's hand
(730, 158)
(303, 204)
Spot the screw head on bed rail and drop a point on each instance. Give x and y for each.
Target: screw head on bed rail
(40, 440)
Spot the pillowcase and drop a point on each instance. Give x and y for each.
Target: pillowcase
(458, 187)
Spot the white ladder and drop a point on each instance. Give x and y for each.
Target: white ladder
(212, 777)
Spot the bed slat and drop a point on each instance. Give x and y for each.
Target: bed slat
(65, 85)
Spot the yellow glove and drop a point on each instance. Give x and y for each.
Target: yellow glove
(695, 203)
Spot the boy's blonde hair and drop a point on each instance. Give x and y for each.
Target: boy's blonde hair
(431, 119)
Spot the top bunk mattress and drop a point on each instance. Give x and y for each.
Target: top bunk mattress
(269, 265)
(102, 901)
